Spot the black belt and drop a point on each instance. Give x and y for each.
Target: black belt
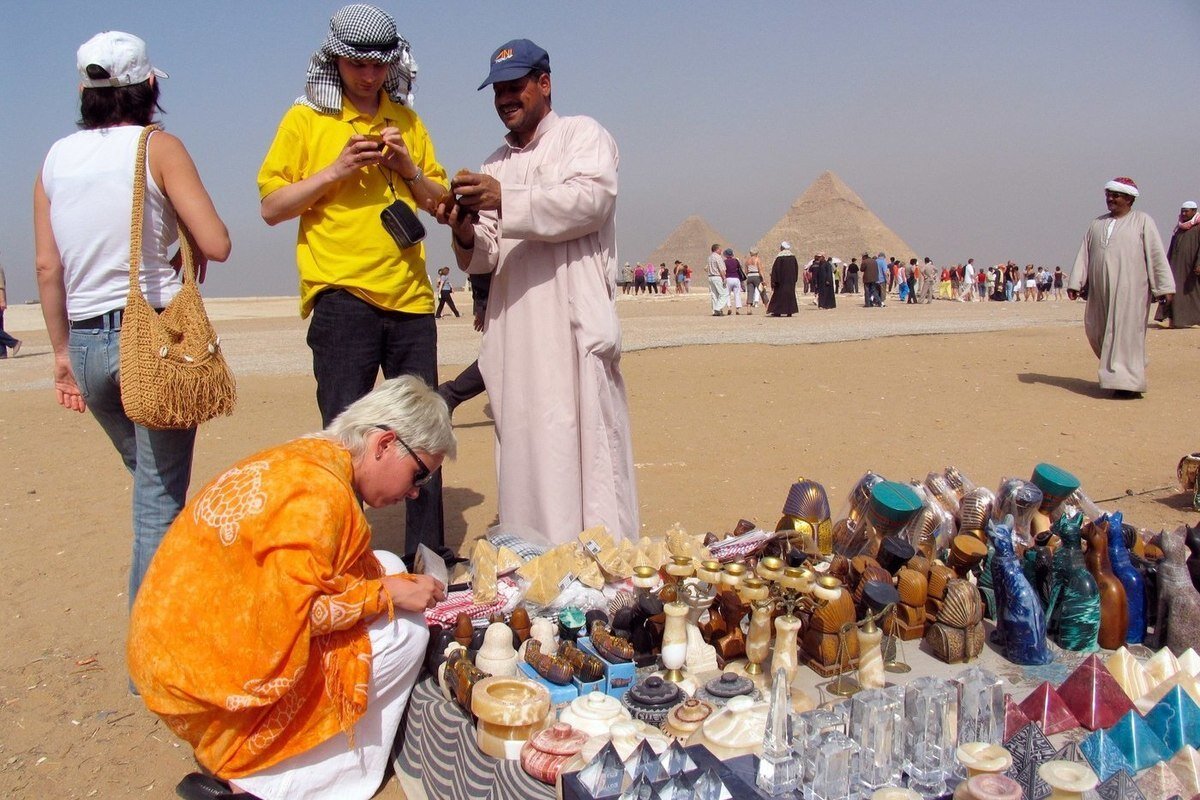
(108, 321)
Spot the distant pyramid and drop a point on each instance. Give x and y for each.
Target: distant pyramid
(829, 217)
(691, 243)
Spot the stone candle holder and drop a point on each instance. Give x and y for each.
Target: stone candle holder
(510, 712)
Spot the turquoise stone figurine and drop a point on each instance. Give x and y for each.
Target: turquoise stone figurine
(1073, 618)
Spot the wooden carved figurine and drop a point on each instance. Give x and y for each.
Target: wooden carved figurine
(834, 608)
(957, 636)
(908, 618)
(1114, 608)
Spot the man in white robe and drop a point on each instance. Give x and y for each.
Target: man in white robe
(1123, 266)
(546, 202)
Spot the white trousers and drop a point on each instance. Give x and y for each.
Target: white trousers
(734, 287)
(332, 768)
(720, 297)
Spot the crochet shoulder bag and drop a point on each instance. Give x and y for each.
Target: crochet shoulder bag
(172, 372)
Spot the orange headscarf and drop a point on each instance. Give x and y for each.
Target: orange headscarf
(248, 635)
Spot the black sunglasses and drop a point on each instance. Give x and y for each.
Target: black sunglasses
(424, 473)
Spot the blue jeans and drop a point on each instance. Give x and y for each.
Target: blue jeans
(351, 342)
(159, 461)
(6, 339)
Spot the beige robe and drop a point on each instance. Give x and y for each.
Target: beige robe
(1121, 270)
(552, 341)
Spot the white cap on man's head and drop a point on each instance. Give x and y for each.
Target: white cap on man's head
(121, 55)
(1189, 204)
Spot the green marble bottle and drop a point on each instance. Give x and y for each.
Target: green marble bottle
(1074, 613)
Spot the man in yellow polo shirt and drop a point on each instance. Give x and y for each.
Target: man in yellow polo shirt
(344, 152)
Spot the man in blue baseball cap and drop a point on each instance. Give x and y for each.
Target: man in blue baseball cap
(540, 216)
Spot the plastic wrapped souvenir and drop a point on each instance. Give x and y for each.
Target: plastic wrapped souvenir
(1020, 619)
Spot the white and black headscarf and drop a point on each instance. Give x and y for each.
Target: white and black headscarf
(361, 32)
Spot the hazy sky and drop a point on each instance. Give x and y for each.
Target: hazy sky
(970, 129)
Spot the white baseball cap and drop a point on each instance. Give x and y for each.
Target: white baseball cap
(121, 55)
(1189, 204)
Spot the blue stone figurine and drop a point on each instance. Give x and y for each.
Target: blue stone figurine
(1020, 619)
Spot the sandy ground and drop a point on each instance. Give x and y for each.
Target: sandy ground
(726, 413)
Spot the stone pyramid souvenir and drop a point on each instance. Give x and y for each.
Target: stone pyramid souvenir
(1032, 785)
(1140, 745)
(1120, 786)
(676, 788)
(1186, 766)
(1093, 695)
(1161, 666)
(1046, 708)
(1176, 720)
(1103, 754)
(643, 763)
(605, 774)
(1189, 662)
(675, 760)
(1069, 752)
(709, 787)
(1028, 746)
(1129, 672)
(640, 789)
(1014, 718)
(1150, 699)
(1159, 781)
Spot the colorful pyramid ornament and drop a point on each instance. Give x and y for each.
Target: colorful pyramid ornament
(1129, 672)
(1028, 746)
(1014, 718)
(1159, 781)
(1046, 708)
(1093, 695)
(1151, 698)
(1176, 720)
(1162, 665)
(1138, 743)
(1189, 662)
(1120, 786)
(1186, 766)
(1104, 755)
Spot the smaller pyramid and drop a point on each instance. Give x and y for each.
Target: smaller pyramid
(1014, 718)
(1162, 666)
(1189, 662)
(1129, 672)
(1140, 745)
(1186, 766)
(1094, 696)
(690, 242)
(1046, 708)
(1104, 755)
(1183, 681)
(1120, 786)
(1160, 781)
(1069, 752)
(1176, 720)
(1029, 748)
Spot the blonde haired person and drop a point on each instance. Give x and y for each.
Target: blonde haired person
(268, 634)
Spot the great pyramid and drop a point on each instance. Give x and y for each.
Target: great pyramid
(691, 243)
(829, 217)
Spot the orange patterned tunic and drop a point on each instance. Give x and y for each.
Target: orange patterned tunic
(248, 635)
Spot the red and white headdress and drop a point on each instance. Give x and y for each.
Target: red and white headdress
(1124, 185)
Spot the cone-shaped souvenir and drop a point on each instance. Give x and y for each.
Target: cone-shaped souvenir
(1094, 696)
(1120, 786)
(1014, 718)
(1186, 766)
(1176, 720)
(1103, 754)
(1046, 708)
(1129, 672)
(1138, 743)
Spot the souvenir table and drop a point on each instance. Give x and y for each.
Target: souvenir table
(439, 758)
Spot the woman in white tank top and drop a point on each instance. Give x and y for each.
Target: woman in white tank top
(82, 202)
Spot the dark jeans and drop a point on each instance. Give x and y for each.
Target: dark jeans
(912, 293)
(468, 384)
(872, 295)
(445, 300)
(6, 339)
(351, 341)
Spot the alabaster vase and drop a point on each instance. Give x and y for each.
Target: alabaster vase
(735, 730)
(787, 634)
(674, 641)
(510, 712)
(594, 713)
(870, 656)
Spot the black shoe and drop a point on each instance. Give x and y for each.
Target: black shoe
(198, 786)
(1126, 394)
